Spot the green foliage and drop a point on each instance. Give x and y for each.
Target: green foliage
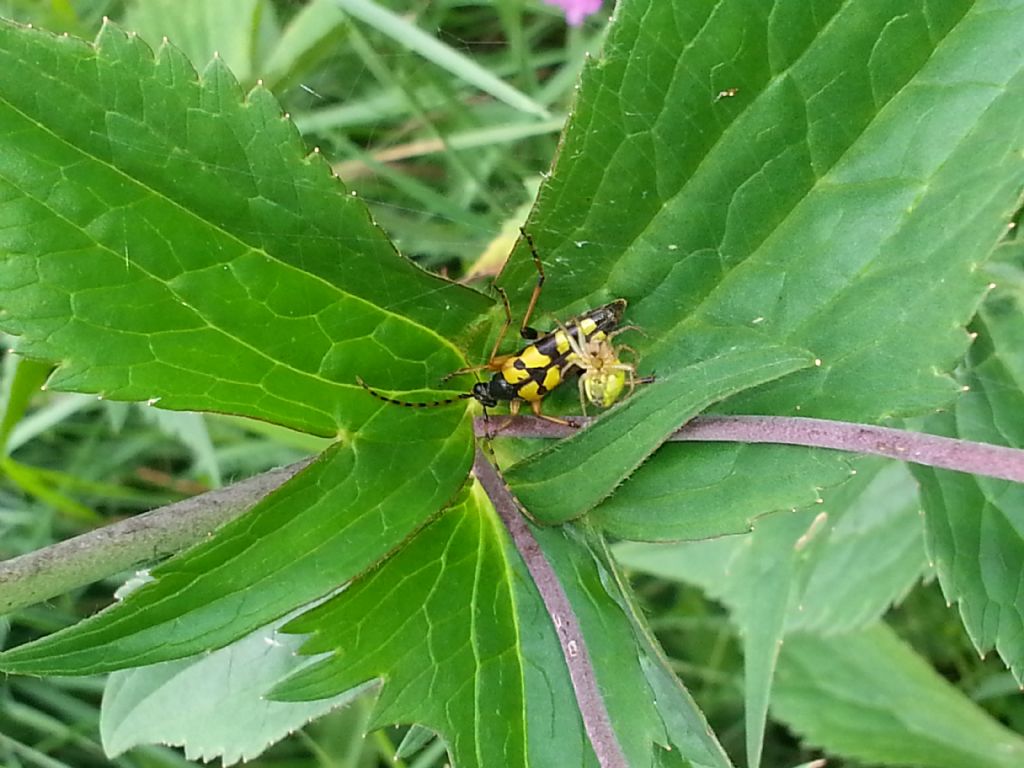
(875, 685)
(795, 200)
(246, 36)
(470, 648)
(831, 569)
(556, 485)
(803, 208)
(197, 295)
(975, 525)
(233, 679)
(493, 652)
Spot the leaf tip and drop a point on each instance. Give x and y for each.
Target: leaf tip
(219, 82)
(110, 33)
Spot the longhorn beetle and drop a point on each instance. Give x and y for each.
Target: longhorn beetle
(583, 345)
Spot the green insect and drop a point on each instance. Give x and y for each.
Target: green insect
(582, 346)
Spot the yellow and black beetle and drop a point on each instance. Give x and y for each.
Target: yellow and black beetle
(581, 346)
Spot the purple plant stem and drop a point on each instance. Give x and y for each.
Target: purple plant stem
(917, 447)
(91, 556)
(53, 570)
(574, 648)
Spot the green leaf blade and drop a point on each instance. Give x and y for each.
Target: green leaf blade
(782, 169)
(324, 527)
(445, 642)
(258, 288)
(975, 525)
(464, 646)
(861, 556)
(204, 29)
(860, 695)
(723, 491)
(569, 479)
(229, 716)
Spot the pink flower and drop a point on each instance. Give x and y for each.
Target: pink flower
(576, 10)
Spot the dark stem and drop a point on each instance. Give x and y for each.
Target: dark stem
(56, 569)
(142, 539)
(917, 447)
(567, 626)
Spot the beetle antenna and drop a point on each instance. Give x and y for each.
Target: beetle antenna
(409, 403)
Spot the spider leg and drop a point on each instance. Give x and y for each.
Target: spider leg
(631, 374)
(627, 348)
(583, 392)
(577, 348)
(625, 328)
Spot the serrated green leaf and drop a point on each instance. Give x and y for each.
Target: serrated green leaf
(975, 525)
(436, 621)
(794, 571)
(690, 492)
(258, 288)
(322, 528)
(869, 697)
(723, 490)
(168, 240)
(455, 628)
(203, 29)
(571, 477)
(805, 205)
(862, 557)
(228, 715)
(867, 555)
